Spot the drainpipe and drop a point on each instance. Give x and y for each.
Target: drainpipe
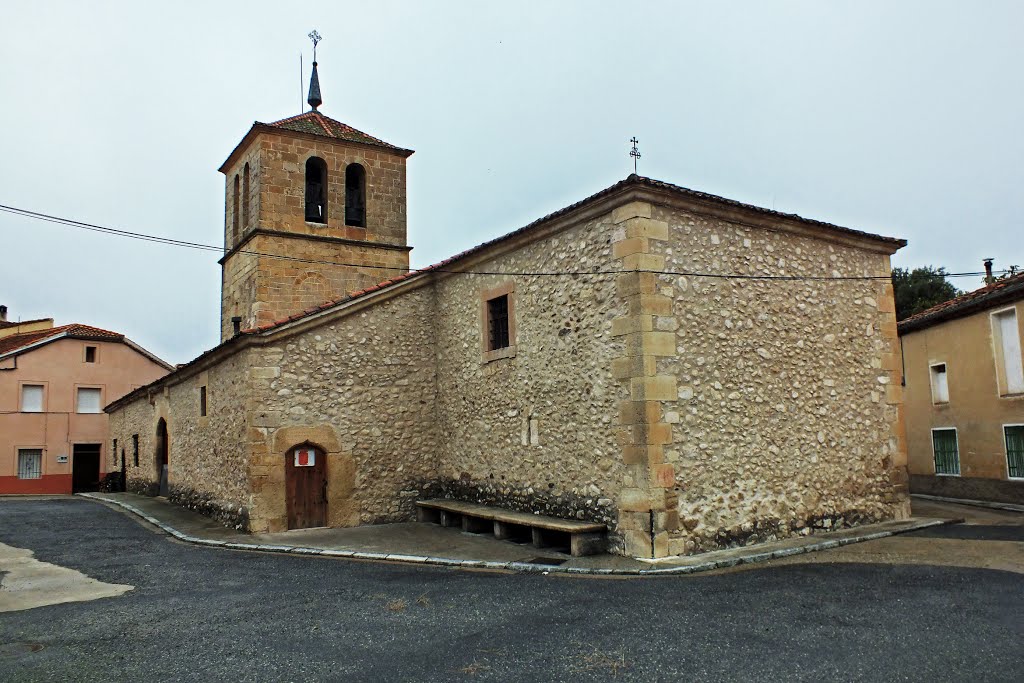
(988, 271)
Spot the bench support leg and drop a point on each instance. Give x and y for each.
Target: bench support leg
(538, 537)
(502, 531)
(450, 519)
(586, 544)
(428, 515)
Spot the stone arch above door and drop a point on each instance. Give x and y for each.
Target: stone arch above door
(343, 508)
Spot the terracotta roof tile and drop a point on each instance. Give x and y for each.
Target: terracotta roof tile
(1000, 291)
(315, 123)
(75, 330)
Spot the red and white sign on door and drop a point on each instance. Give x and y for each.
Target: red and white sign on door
(305, 457)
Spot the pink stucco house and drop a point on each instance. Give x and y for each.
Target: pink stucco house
(54, 382)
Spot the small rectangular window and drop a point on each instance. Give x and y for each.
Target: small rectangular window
(88, 401)
(497, 323)
(30, 463)
(1009, 365)
(940, 383)
(31, 398)
(90, 354)
(135, 449)
(1014, 450)
(947, 455)
(202, 401)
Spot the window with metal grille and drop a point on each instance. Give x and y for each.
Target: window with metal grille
(1014, 450)
(497, 323)
(30, 463)
(947, 456)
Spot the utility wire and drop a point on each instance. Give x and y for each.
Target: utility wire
(209, 247)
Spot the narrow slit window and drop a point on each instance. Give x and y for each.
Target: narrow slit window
(316, 190)
(234, 213)
(355, 196)
(245, 197)
(497, 323)
(947, 454)
(135, 449)
(940, 383)
(202, 401)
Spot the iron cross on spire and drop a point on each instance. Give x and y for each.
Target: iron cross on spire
(635, 153)
(315, 37)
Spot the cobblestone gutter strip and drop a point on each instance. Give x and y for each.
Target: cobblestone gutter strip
(526, 567)
(994, 505)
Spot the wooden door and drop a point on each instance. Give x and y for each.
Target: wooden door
(305, 470)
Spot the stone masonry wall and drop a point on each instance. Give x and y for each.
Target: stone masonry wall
(535, 431)
(785, 408)
(363, 389)
(263, 289)
(208, 456)
(283, 188)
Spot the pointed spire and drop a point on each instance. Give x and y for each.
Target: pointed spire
(314, 90)
(314, 98)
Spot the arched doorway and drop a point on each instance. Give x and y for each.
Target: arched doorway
(305, 477)
(162, 456)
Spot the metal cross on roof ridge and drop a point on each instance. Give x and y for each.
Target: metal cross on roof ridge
(635, 153)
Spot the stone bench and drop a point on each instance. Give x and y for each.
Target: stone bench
(584, 538)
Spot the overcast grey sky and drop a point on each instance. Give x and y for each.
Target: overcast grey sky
(902, 118)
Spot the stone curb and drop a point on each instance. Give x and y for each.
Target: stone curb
(524, 567)
(992, 504)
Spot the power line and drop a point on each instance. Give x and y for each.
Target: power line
(25, 213)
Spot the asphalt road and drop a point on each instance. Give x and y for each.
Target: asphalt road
(201, 614)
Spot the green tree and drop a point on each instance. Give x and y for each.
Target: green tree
(919, 289)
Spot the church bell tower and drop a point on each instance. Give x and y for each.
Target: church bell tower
(314, 209)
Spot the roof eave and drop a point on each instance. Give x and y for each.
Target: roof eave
(259, 127)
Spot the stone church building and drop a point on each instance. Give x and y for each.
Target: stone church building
(594, 364)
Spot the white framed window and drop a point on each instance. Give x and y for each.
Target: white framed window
(31, 398)
(88, 400)
(946, 451)
(1013, 436)
(1006, 345)
(940, 383)
(30, 463)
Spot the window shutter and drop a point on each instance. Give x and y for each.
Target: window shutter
(88, 401)
(31, 398)
(1011, 352)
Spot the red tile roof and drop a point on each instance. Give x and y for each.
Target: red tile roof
(76, 331)
(315, 123)
(999, 292)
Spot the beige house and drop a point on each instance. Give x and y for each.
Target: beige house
(54, 382)
(965, 395)
(593, 365)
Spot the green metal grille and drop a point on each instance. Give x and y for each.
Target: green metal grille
(1015, 450)
(947, 458)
